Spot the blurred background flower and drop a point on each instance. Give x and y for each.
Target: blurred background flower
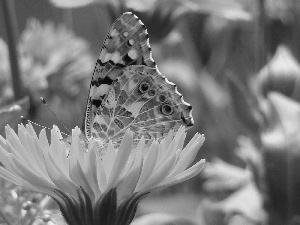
(56, 65)
(50, 53)
(6, 93)
(20, 206)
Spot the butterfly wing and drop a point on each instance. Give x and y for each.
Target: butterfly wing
(127, 90)
(127, 43)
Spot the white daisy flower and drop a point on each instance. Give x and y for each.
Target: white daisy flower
(91, 188)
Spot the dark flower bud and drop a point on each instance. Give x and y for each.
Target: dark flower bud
(27, 205)
(281, 74)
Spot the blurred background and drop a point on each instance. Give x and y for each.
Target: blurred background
(236, 62)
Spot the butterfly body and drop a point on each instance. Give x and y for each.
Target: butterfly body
(128, 92)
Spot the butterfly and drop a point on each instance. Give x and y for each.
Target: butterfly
(127, 91)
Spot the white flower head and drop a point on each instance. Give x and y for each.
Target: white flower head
(64, 170)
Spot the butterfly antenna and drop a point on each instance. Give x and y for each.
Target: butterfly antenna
(45, 103)
(23, 118)
(39, 125)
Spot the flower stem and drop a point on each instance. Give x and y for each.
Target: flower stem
(260, 58)
(10, 21)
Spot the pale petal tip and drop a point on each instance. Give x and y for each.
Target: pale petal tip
(76, 131)
(128, 138)
(56, 129)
